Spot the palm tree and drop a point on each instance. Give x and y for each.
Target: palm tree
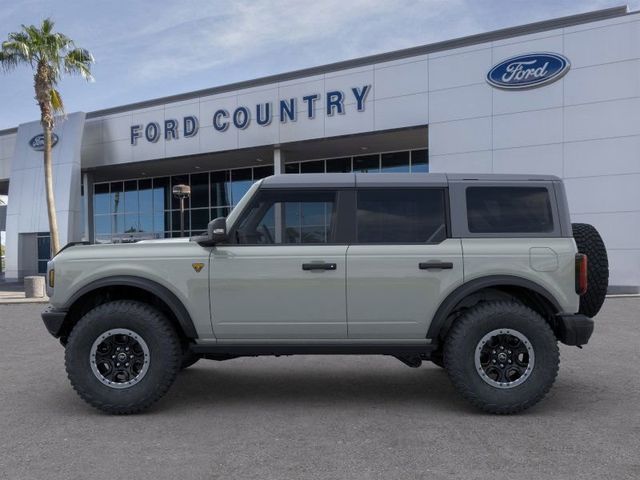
(50, 55)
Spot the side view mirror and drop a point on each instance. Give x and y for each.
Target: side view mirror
(217, 230)
(216, 233)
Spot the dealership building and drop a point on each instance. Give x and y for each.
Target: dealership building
(557, 97)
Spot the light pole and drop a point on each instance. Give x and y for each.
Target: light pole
(181, 192)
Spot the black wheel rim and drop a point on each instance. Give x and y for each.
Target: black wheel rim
(504, 358)
(119, 358)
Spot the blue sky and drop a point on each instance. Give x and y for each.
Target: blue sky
(148, 49)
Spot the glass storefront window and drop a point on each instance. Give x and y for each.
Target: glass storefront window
(145, 196)
(131, 196)
(117, 197)
(366, 164)
(339, 165)
(292, 168)
(219, 212)
(199, 190)
(161, 194)
(420, 161)
(130, 210)
(175, 221)
(161, 222)
(199, 219)
(241, 180)
(316, 166)
(261, 172)
(102, 224)
(220, 188)
(101, 199)
(395, 162)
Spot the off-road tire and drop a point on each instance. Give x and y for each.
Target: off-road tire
(464, 337)
(165, 356)
(589, 242)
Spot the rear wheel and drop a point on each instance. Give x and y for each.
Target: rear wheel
(501, 356)
(122, 356)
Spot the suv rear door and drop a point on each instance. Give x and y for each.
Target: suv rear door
(284, 275)
(402, 263)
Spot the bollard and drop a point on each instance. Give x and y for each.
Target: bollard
(34, 287)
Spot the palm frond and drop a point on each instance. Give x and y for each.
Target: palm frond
(9, 60)
(78, 61)
(56, 101)
(18, 48)
(47, 26)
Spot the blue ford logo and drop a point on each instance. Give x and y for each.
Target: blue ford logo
(528, 71)
(37, 142)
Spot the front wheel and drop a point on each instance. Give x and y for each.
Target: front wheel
(502, 357)
(122, 356)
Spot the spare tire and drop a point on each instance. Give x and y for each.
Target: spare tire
(590, 243)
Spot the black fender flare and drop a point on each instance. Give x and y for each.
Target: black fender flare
(163, 293)
(460, 293)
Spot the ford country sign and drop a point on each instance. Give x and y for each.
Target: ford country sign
(528, 71)
(37, 142)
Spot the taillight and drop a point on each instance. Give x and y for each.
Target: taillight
(582, 281)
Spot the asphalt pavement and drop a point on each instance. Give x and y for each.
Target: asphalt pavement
(338, 417)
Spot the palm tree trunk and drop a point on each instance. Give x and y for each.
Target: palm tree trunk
(51, 204)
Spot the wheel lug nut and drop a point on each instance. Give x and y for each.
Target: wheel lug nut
(509, 351)
(113, 356)
(493, 351)
(130, 356)
(126, 364)
(501, 348)
(501, 365)
(494, 360)
(117, 364)
(127, 349)
(509, 361)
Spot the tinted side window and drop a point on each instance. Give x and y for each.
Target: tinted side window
(401, 215)
(288, 217)
(509, 210)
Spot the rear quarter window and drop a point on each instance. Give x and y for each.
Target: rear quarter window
(509, 210)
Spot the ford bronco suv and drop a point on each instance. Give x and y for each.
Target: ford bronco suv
(480, 274)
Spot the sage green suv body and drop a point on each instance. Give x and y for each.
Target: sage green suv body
(327, 264)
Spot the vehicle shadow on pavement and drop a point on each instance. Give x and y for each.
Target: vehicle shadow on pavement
(255, 387)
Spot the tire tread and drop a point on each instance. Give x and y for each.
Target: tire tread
(165, 330)
(454, 366)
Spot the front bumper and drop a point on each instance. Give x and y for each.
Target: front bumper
(53, 319)
(574, 329)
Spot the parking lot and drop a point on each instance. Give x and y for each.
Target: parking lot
(322, 417)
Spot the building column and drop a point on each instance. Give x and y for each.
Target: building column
(87, 186)
(278, 169)
(278, 161)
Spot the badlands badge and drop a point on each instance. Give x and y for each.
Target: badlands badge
(197, 266)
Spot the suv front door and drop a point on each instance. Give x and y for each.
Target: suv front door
(402, 264)
(283, 276)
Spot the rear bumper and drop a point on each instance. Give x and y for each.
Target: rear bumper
(53, 319)
(574, 329)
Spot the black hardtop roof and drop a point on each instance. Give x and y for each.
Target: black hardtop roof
(345, 180)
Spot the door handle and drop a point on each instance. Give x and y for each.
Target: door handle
(435, 265)
(319, 266)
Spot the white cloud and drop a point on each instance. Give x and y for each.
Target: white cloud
(200, 40)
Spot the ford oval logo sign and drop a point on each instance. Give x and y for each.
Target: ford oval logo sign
(37, 142)
(528, 71)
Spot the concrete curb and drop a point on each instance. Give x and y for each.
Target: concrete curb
(14, 301)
